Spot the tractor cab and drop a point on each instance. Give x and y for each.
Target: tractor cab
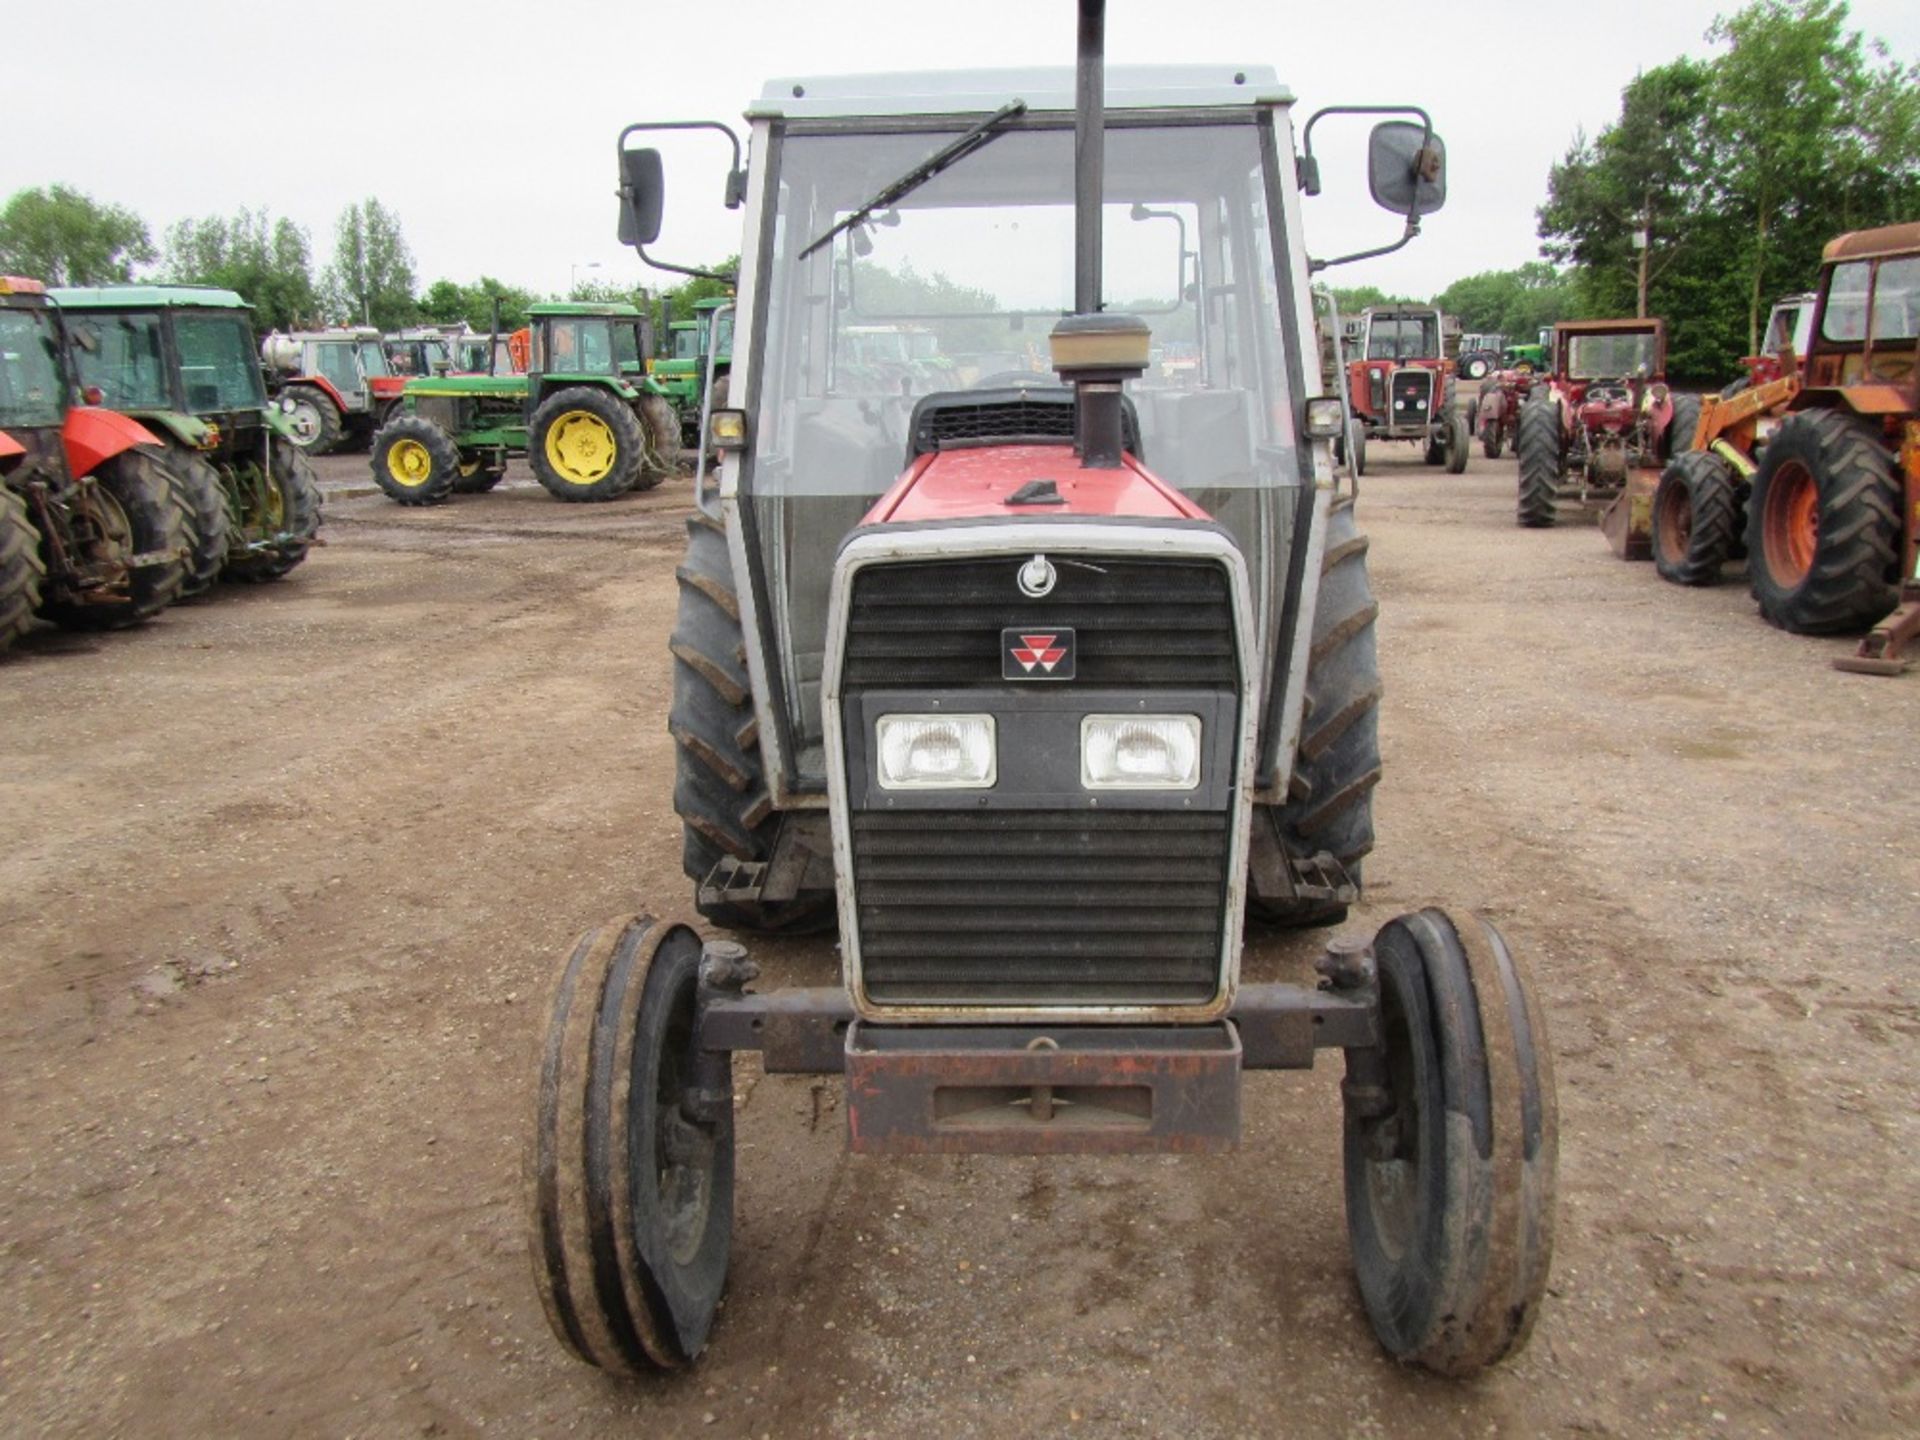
(419, 352)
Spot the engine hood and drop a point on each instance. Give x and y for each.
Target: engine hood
(978, 483)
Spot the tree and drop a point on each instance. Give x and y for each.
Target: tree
(1819, 140)
(370, 280)
(63, 237)
(1514, 303)
(447, 302)
(268, 264)
(1353, 301)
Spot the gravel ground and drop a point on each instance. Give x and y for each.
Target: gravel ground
(287, 868)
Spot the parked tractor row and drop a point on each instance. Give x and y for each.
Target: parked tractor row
(141, 460)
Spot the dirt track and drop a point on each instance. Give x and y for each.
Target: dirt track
(284, 871)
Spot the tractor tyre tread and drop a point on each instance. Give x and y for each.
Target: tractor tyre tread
(333, 429)
(1537, 446)
(629, 444)
(291, 471)
(21, 568)
(142, 487)
(1707, 485)
(202, 502)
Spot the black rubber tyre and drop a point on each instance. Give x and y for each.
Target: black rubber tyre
(292, 512)
(1696, 518)
(1476, 367)
(1536, 445)
(603, 434)
(414, 461)
(317, 424)
(138, 496)
(1338, 761)
(720, 784)
(661, 423)
(202, 501)
(477, 474)
(1823, 526)
(1451, 1148)
(21, 568)
(630, 1196)
(1459, 441)
(1492, 441)
(1681, 426)
(1436, 450)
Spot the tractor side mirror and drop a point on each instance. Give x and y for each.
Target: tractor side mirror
(643, 187)
(1407, 168)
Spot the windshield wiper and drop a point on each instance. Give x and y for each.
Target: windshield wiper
(950, 154)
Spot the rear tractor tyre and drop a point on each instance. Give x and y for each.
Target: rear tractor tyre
(1451, 1147)
(21, 569)
(1681, 426)
(1696, 518)
(202, 501)
(661, 422)
(133, 497)
(1537, 447)
(414, 461)
(314, 419)
(630, 1171)
(720, 785)
(1338, 761)
(1824, 526)
(1459, 439)
(289, 518)
(586, 444)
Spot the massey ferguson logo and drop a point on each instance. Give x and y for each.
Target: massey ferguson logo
(1036, 654)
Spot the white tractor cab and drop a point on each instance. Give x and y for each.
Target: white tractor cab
(325, 381)
(1039, 689)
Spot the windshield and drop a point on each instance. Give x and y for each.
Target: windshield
(373, 360)
(1610, 357)
(1403, 337)
(30, 391)
(334, 360)
(578, 346)
(957, 287)
(686, 343)
(219, 368)
(124, 356)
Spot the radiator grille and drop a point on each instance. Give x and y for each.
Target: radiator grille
(1040, 907)
(1137, 623)
(1038, 415)
(1412, 396)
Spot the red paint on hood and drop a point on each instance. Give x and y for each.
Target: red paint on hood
(969, 484)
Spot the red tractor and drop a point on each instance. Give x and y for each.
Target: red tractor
(334, 386)
(1040, 693)
(1400, 385)
(1495, 413)
(95, 525)
(1604, 414)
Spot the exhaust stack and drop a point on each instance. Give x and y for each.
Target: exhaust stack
(1094, 352)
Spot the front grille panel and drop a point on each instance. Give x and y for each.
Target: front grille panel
(1040, 907)
(1412, 396)
(1137, 623)
(1038, 416)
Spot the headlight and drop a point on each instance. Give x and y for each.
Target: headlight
(1140, 752)
(935, 752)
(1324, 417)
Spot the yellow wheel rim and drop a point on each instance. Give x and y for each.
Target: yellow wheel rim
(409, 463)
(581, 447)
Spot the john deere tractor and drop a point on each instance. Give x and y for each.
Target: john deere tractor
(1041, 692)
(180, 358)
(94, 528)
(589, 420)
(695, 348)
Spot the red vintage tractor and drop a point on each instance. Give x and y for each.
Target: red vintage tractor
(1400, 385)
(1495, 413)
(95, 526)
(1604, 415)
(1040, 693)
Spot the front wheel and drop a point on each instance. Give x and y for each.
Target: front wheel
(1696, 518)
(202, 502)
(586, 444)
(1492, 442)
(283, 518)
(630, 1170)
(1451, 1148)
(1824, 526)
(1458, 440)
(313, 418)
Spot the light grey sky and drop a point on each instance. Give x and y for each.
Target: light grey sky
(490, 127)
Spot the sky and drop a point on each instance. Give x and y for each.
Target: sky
(489, 128)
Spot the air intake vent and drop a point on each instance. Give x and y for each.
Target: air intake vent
(1040, 415)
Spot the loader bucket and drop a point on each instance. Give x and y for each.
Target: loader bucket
(1628, 521)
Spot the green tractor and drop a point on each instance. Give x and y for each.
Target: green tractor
(586, 415)
(682, 371)
(182, 360)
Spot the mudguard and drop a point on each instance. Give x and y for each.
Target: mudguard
(93, 437)
(321, 383)
(190, 430)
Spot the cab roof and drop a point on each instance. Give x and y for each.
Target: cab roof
(967, 92)
(584, 307)
(1862, 244)
(146, 297)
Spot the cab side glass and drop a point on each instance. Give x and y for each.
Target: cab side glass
(642, 196)
(1405, 175)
